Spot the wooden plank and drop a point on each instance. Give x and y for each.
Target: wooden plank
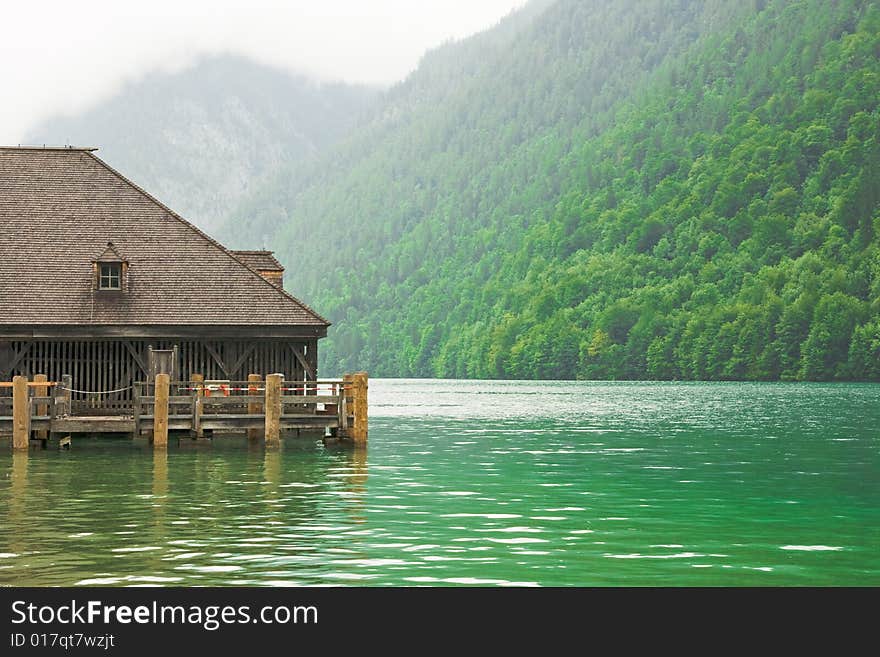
(310, 399)
(93, 425)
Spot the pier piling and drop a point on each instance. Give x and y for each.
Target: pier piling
(160, 412)
(197, 381)
(21, 414)
(273, 409)
(254, 407)
(359, 430)
(42, 409)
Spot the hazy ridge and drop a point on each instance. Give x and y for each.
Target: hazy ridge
(203, 138)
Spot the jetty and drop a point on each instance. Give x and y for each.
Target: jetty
(39, 411)
(122, 317)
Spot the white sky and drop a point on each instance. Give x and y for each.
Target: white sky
(60, 56)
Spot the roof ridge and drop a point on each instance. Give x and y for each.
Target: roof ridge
(37, 147)
(203, 234)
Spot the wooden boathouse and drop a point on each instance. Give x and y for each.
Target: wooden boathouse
(103, 287)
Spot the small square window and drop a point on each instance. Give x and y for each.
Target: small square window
(110, 277)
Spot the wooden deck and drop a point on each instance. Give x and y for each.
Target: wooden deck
(194, 407)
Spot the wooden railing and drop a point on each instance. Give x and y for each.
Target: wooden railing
(262, 407)
(197, 404)
(31, 400)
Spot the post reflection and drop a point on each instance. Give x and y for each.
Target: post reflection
(357, 483)
(17, 510)
(272, 473)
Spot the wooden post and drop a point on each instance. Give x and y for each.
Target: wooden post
(160, 412)
(42, 409)
(62, 399)
(60, 405)
(273, 409)
(21, 416)
(197, 381)
(254, 407)
(359, 430)
(346, 403)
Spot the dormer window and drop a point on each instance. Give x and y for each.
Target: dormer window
(110, 276)
(110, 270)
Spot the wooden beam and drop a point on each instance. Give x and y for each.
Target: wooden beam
(137, 358)
(307, 367)
(169, 332)
(217, 359)
(16, 358)
(247, 352)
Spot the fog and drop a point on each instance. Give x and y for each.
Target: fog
(63, 57)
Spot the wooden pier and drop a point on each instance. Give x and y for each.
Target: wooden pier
(263, 408)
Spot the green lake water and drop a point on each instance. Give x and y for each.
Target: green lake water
(481, 483)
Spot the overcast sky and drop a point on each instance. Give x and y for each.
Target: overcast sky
(62, 56)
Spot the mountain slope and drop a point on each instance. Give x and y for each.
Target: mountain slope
(202, 138)
(663, 189)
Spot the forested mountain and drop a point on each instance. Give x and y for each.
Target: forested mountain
(597, 189)
(202, 138)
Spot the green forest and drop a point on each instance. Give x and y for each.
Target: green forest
(636, 189)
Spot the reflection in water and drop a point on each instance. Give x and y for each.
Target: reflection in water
(159, 503)
(464, 483)
(17, 503)
(357, 482)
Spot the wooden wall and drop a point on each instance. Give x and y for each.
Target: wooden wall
(101, 365)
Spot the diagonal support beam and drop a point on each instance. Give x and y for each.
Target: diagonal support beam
(16, 358)
(307, 366)
(218, 359)
(137, 358)
(247, 352)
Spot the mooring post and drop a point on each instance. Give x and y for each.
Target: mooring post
(346, 404)
(42, 407)
(359, 431)
(64, 396)
(21, 416)
(273, 409)
(197, 381)
(254, 407)
(160, 412)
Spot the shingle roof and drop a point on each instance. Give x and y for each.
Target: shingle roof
(59, 207)
(259, 260)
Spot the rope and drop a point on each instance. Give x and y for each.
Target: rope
(97, 392)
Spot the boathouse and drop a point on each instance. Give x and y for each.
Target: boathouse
(102, 282)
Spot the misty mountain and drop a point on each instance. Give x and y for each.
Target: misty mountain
(203, 138)
(632, 189)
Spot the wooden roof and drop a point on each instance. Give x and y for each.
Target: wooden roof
(59, 208)
(259, 260)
